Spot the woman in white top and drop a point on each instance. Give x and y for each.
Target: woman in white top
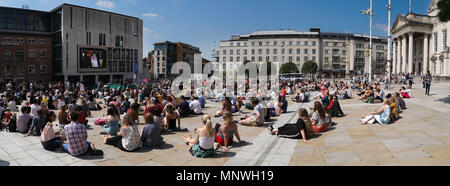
(202, 145)
(128, 139)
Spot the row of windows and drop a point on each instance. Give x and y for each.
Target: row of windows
(268, 58)
(31, 69)
(8, 56)
(20, 40)
(119, 41)
(274, 43)
(267, 51)
(444, 40)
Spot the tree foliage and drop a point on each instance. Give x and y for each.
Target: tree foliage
(310, 67)
(289, 68)
(444, 13)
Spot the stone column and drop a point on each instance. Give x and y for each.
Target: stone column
(425, 54)
(394, 58)
(410, 53)
(399, 55)
(404, 54)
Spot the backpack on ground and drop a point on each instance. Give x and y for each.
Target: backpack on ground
(12, 126)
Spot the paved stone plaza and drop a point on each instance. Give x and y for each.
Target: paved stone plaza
(421, 137)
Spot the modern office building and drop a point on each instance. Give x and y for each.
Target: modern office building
(167, 53)
(88, 45)
(421, 44)
(25, 45)
(336, 54)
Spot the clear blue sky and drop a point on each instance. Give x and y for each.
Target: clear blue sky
(201, 22)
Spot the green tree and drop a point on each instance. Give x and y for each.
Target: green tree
(444, 13)
(310, 67)
(289, 68)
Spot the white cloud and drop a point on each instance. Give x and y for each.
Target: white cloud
(105, 4)
(149, 14)
(382, 27)
(147, 30)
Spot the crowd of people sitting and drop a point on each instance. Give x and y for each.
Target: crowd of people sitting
(58, 113)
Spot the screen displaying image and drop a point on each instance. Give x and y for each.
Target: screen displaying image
(92, 58)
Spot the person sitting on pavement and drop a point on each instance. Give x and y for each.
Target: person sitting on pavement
(401, 103)
(128, 139)
(369, 93)
(63, 117)
(171, 118)
(237, 107)
(319, 119)
(151, 133)
(283, 103)
(226, 132)
(334, 108)
(37, 124)
(379, 96)
(77, 143)
(394, 108)
(49, 138)
(112, 126)
(24, 120)
(183, 108)
(326, 99)
(299, 129)
(257, 118)
(195, 106)
(404, 93)
(226, 107)
(382, 116)
(202, 146)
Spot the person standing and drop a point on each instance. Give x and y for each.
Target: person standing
(428, 78)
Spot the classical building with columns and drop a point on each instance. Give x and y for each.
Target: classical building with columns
(420, 44)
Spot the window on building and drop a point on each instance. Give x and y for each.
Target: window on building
(43, 53)
(7, 40)
(231, 52)
(119, 41)
(314, 58)
(245, 43)
(43, 69)
(253, 43)
(267, 58)
(313, 51)
(290, 51)
(245, 58)
(275, 43)
(224, 52)
(275, 59)
(231, 59)
(313, 43)
(253, 51)
(8, 55)
(327, 51)
(326, 43)
(253, 58)
(298, 51)
(245, 52)
(291, 59)
(260, 44)
(224, 59)
(31, 53)
(335, 44)
(344, 52)
(298, 43)
(275, 51)
(260, 51)
(435, 42)
(238, 44)
(238, 59)
(20, 40)
(306, 58)
(231, 44)
(306, 51)
(19, 55)
(444, 39)
(327, 59)
(238, 52)
(267, 43)
(267, 51)
(260, 59)
(43, 41)
(306, 43)
(290, 43)
(30, 41)
(88, 38)
(31, 69)
(102, 39)
(298, 58)
(282, 51)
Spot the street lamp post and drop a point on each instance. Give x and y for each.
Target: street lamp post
(370, 13)
(389, 61)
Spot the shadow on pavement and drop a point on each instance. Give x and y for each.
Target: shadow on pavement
(445, 100)
(223, 155)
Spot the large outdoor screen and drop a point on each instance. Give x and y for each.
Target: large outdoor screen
(92, 58)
